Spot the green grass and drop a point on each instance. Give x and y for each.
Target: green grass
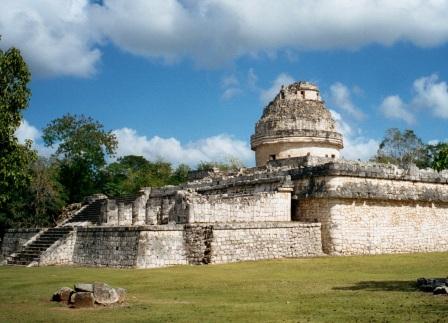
(330, 289)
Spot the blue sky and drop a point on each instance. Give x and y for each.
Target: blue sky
(186, 81)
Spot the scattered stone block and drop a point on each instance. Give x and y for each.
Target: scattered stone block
(121, 294)
(83, 287)
(62, 294)
(104, 294)
(87, 295)
(83, 299)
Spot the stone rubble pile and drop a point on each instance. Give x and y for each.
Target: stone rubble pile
(437, 286)
(89, 295)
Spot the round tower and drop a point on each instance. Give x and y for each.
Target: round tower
(296, 123)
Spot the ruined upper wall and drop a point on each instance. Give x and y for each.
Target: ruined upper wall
(357, 180)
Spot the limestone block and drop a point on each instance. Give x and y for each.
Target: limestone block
(82, 299)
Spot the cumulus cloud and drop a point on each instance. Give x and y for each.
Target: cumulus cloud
(429, 93)
(269, 94)
(54, 36)
(356, 146)
(341, 98)
(394, 108)
(216, 148)
(65, 36)
(27, 132)
(432, 94)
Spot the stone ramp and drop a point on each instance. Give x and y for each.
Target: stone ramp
(91, 213)
(32, 251)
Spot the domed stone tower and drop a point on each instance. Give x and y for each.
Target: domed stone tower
(296, 123)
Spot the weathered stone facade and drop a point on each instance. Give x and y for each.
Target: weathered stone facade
(14, 239)
(308, 205)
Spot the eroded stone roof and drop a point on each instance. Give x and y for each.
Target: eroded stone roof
(297, 111)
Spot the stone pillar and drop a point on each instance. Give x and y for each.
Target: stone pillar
(153, 208)
(103, 212)
(124, 213)
(111, 212)
(139, 207)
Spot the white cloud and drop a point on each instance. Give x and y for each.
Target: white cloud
(231, 87)
(54, 36)
(432, 94)
(429, 93)
(252, 79)
(393, 107)
(216, 148)
(64, 36)
(356, 146)
(230, 93)
(269, 94)
(341, 98)
(27, 132)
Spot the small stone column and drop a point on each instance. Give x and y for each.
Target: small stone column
(139, 207)
(111, 212)
(124, 213)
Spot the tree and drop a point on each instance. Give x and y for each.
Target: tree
(402, 148)
(439, 156)
(130, 173)
(231, 164)
(14, 157)
(82, 148)
(46, 194)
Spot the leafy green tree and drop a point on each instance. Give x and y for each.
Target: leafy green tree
(130, 173)
(440, 156)
(402, 148)
(180, 175)
(82, 148)
(14, 97)
(46, 194)
(15, 158)
(231, 164)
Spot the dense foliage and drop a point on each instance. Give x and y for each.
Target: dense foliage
(402, 148)
(82, 147)
(405, 148)
(15, 158)
(130, 173)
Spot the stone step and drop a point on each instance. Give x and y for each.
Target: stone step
(33, 251)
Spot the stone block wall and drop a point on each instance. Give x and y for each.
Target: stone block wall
(363, 226)
(167, 245)
(60, 253)
(103, 246)
(14, 239)
(161, 246)
(256, 207)
(246, 241)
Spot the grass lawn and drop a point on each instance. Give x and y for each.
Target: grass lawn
(328, 289)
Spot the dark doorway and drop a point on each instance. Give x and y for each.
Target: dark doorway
(294, 209)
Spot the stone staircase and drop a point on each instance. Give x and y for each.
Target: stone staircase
(91, 213)
(33, 250)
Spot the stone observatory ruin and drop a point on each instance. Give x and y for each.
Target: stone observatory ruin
(301, 200)
(295, 124)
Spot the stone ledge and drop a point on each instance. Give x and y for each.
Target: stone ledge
(367, 170)
(24, 230)
(255, 225)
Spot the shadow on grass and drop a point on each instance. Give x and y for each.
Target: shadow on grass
(381, 286)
